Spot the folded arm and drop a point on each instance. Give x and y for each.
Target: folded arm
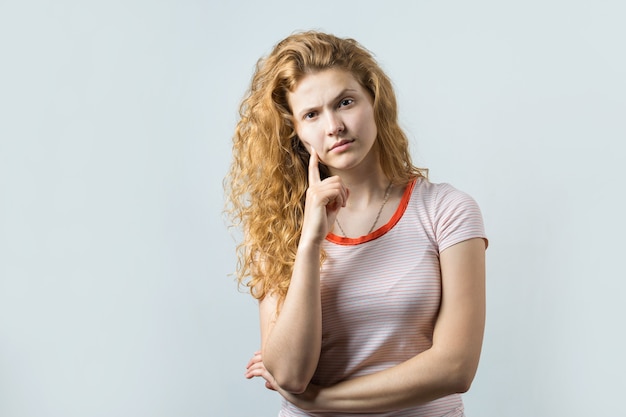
(447, 367)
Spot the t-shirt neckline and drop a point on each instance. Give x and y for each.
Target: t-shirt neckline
(397, 215)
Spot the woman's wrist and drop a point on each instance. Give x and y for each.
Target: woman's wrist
(309, 246)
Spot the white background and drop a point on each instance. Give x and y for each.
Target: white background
(115, 126)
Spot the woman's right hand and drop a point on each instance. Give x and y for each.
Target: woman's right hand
(324, 199)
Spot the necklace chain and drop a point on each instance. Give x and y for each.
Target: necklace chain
(380, 210)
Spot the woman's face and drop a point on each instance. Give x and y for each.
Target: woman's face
(334, 114)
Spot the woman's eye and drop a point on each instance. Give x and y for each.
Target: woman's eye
(309, 115)
(346, 102)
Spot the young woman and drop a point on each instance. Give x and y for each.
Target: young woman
(370, 278)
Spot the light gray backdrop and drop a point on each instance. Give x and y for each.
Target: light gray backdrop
(115, 126)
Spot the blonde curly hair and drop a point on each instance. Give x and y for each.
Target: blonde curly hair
(267, 180)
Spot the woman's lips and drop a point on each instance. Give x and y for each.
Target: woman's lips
(342, 144)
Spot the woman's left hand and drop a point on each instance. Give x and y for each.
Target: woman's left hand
(256, 368)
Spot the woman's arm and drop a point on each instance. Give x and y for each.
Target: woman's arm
(447, 367)
(291, 341)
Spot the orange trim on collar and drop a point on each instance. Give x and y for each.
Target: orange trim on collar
(404, 202)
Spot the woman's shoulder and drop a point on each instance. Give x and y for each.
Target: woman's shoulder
(442, 200)
(425, 189)
(453, 213)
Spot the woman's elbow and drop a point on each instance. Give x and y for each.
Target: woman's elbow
(462, 378)
(463, 384)
(292, 385)
(289, 378)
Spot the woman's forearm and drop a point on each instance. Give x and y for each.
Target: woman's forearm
(292, 338)
(424, 378)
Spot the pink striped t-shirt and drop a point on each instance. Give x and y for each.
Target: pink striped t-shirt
(381, 292)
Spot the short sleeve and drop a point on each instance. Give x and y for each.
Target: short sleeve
(457, 217)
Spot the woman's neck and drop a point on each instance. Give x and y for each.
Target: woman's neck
(365, 189)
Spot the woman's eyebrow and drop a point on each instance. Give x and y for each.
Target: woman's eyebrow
(311, 108)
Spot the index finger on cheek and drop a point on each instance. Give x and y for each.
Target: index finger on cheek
(314, 171)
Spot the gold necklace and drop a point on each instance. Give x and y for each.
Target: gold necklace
(380, 210)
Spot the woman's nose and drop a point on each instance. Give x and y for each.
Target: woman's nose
(335, 125)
